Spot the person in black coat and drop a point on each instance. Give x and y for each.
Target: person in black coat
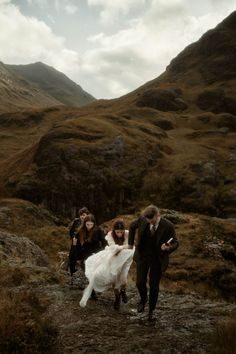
(77, 222)
(155, 240)
(88, 239)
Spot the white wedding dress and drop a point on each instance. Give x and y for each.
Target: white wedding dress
(106, 269)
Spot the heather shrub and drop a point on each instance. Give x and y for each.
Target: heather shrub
(224, 339)
(24, 327)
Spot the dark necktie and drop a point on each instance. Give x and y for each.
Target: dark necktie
(153, 229)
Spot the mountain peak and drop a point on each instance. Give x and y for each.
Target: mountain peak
(54, 83)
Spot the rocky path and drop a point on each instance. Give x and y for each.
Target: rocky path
(184, 323)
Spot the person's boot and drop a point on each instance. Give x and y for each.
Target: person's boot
(151, 316)
(141, 307)
(117, 302)
(124, 296)
(72, 279)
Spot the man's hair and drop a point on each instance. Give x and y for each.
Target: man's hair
(150, 211)
(83, 210)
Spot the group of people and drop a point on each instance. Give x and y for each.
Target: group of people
(106, 259)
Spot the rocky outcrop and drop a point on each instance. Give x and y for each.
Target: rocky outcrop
(229, 201)
(26, 215)
(77, 166)
(20, 250)
(216, 101)
(163, 100)
(228, 121)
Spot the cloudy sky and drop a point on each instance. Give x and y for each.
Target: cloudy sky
(109, 47)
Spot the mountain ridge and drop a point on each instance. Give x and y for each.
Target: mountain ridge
(38, 85)
(54, 82)
(17, 92)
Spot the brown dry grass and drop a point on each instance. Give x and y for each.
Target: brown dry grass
(24, 328)
(15, 275)
(36, 223)
(223, 341)
(51, 239)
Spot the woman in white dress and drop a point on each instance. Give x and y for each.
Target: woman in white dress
(119, 236)
(110, 267)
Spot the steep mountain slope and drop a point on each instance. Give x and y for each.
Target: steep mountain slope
(170, 142)
(16, 92)
(212, 59)
(54, 83)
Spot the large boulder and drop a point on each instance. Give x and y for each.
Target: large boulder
(16, 250)
(227, 120)
(163, 100)
(215, 100)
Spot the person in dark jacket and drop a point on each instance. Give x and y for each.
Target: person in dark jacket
(88, 239)
(78, 221)
(83, 212)
(155, 240)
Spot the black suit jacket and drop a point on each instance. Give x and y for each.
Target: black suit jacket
(164, 232)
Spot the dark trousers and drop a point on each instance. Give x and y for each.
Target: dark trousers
(73, 257)
(154, 268)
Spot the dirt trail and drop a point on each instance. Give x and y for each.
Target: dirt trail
(184, 323)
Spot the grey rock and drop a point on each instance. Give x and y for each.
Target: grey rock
(206, 170)
(231, 221)
(174, 216)
(232, 159)
(20, 250)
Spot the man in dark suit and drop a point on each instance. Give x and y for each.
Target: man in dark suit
(155, 240)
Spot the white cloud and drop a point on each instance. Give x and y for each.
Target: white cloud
(71, 9)
(112, 9)
(32, 40)
(123, 61)
(59, 5)
(2, 2)
(115, 63)
(41, 3)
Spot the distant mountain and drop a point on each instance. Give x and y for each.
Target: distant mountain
(17, 92)
(54, 83)
(171, 142)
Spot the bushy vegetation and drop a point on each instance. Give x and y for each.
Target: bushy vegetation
(224, 339)
(24, 328)
(13, 276)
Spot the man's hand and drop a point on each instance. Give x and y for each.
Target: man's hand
(74, 241)
(165, 247)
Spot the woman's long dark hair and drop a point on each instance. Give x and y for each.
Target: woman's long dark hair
(118, 225)
(84, 233)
